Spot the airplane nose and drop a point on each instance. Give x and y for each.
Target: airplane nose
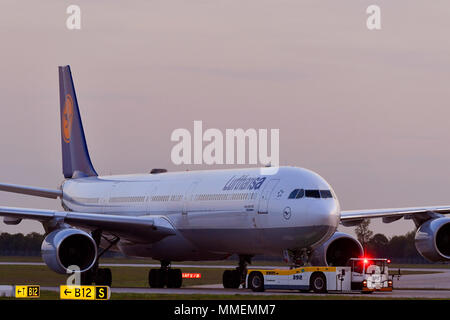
(325, 213)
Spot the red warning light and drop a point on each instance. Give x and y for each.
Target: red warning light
(366, 261)
(388, 260)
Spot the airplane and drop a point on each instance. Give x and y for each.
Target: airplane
(198, 215)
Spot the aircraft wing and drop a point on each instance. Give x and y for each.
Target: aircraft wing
(418, 214)
(138, 229)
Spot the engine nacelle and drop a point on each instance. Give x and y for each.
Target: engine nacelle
(337, 250)
(433, 240)
(65, 247)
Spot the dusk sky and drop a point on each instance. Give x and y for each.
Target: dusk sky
(367, 110)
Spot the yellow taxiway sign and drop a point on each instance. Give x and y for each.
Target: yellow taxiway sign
(85, 292)
(30, 291)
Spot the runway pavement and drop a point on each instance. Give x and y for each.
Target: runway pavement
(438, 280)
(216, 290)
(433, 285)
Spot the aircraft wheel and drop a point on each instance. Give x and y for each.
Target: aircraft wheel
(226, 279)
(156, 278)
(86, 278)
(236, 279)
(174, 278)
(256, 281)
(231, 279)
(103, 277)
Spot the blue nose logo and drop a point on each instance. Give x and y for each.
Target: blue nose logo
(287, 213)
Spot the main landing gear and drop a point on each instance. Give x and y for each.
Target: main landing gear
(165, 276)
(99, 276)
(157, 278)
(235, 278)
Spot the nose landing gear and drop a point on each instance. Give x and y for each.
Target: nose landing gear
(235, 278)
(297, 257)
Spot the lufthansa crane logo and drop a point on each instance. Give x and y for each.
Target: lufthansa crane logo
(287, 213)
(67, 118)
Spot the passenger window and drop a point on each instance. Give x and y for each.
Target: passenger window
(325, 194)
(300, 194)
(293, 194)
(312, 193)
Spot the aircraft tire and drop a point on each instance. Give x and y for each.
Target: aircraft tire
(235, 279)
(156, 278)
(231, 279)
(87, 278)
(226, 279)
(103, 277)
(174, 278)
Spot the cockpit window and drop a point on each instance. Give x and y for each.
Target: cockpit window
(300, 193)
(312, 193)
(325, 194)
(293, 194)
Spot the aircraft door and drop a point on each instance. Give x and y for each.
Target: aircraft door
(187, 203)
(105, 201)
(262, 218)
(263, 207)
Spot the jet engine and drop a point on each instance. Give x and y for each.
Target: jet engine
(65, 247)
(337, 250)
(433, 240)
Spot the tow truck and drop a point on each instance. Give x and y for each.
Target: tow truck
(362, 274)
(370, 274)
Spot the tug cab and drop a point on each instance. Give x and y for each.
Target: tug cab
(370, 274)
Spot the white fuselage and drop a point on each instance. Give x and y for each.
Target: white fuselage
(216, 213)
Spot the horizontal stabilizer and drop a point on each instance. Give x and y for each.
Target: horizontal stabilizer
(32, 191)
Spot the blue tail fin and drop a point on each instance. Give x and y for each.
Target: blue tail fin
(75, 155)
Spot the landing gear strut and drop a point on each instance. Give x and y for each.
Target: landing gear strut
(298, 257)
(99, 276)
(165, 276)
(235, 278)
